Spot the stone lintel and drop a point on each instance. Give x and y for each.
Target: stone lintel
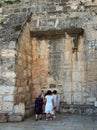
(54, 33)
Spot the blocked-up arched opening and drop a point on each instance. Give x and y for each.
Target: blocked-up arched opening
(47, 60)
(56, 55)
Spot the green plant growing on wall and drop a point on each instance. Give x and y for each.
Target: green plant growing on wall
(18, 28)
(11, 1)
(0, 5)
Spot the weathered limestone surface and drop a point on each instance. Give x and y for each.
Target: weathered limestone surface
(15, 118)
(3, 117)
(29, 64)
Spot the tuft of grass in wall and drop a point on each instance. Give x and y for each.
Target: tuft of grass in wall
(18, 28)
(0, 5)
(11, 1)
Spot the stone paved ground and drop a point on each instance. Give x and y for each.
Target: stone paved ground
(63, 122)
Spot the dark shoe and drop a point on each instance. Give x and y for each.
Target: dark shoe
(40, 118)
(36, 119)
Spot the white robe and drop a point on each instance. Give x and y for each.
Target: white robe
(49, 104)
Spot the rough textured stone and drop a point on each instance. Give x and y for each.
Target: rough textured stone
(20, 109)
(9, 98)
(3, 117)
(30, 63)
(7, 106)
(15, 118)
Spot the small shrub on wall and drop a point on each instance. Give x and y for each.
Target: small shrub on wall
(0, 5)
(18, 28)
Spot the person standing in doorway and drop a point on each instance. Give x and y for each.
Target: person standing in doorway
(49, 104)
(38, 107)
(43, 96)
(55, 97)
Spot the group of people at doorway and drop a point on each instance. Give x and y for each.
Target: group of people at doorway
(46, 103)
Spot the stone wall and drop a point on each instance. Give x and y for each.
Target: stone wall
(24, 68)
(15, 79)
(26, 64)
(24, 84)
(77, 77)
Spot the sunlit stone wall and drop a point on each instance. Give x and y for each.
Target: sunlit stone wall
(30, 64)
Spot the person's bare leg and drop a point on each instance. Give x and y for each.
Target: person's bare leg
(36, 117)
(40, 116)
(46, 116)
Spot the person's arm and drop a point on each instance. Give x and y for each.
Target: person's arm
(57, 97)
(53, 103)
(45, 100)
(42, 102)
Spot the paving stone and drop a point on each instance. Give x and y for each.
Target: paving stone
(71, 122)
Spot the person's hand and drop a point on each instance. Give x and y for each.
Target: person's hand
(54, 107)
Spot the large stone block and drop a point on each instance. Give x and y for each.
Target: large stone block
(59, 8)
(78, 98)
(7, 106)
(29, 112)
(3, 117)
(8, 74)
(77, 86)
(20, 89)
(8, 62)
(64, 75)
(7, 67)
(91, 99)
(7, 89)
(12, 44)
(67, 86)
(15, 118)
(95, 103)
(0, 10)
(1, 101)
(79, 65)
(8, 53)
(8, 98)
(20, 109)
(76, 76)
(67, 97)
(7, 81)
(67, 55)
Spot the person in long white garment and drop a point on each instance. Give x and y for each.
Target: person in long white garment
(55, 97)
(49, 103)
